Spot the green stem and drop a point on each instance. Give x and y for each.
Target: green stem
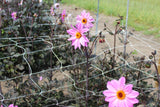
(87, 74)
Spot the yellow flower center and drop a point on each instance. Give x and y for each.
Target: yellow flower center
(84, 20)
(35, 15)
(64, 16)
(57, 6)
(121, 94)
(15, 15)
(78, 35)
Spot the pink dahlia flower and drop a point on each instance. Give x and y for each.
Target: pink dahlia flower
(85, 19)
(14, 15)
(52, 11)
(56, 5)
(119, 94)
(63, 15)
(11, 105)
(20, 4)
(40, 78)
(78, 38)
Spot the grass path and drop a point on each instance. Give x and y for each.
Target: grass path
(143, 14)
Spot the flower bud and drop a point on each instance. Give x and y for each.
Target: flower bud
(150, 56)
(118, 22)
(148, 64)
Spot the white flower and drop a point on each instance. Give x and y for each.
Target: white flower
(40, 1)
(56, 5)
(20, 4)
(68, 17)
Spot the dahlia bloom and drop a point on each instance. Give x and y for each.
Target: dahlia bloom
(63, 15)
(68, 18)
(78, 38)
(52, 11)
(40, 1)
(11, 105)
(56, 5)
(119, 94)
(20, 4)
(85, 19)
(35, 15)
(40, 78)
(14, 15)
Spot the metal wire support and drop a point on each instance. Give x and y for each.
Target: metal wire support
(125, 36)
(97, 16)
(54, 1)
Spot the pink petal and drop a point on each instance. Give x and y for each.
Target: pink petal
(74, 28)
(72, 38)
(75, 46)
(111, 86)
(79, 26)
(115, 102)
(11, 105)
(86, 44)
(122, 103)
(74, 42)
(71, 32)
(128, 88)
(109, 93)
(133, 94)
(110, 99)
(83, 12)
(132, 101)
(127, 103)
(122, 81)
(119, 103)
(91, 19)
(40, 78)
(82, 41)
(110, 105)
(86, 39)
(85, 30)
(79, 45)
(87, 15)
(79, 18)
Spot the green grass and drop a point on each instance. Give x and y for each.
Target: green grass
(143, 14)
(153, 31)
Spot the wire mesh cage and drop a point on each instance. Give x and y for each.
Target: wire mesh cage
(40, 67)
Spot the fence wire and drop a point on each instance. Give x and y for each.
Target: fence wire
(61, 70)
